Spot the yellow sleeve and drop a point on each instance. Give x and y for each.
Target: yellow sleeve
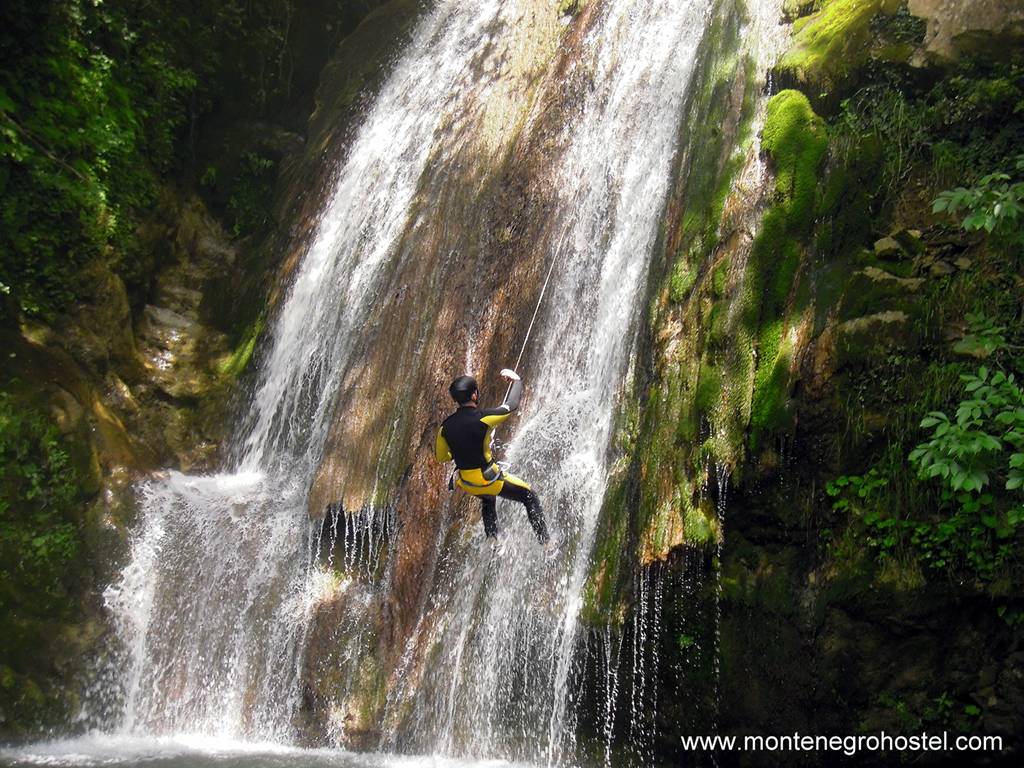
(441, 450)
(495, 417)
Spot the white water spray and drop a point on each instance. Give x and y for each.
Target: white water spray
(501, 659)
(215, 603)
(213, 607)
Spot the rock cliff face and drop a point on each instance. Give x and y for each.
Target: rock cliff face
(489, 191)
(798, 343)
(129, 392)
(955, 29)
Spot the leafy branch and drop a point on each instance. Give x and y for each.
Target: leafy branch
(994, 205)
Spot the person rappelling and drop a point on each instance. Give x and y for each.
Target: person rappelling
(466, 436)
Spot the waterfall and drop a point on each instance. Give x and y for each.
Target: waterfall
(214, 603)
(214, 606)
(500, 661)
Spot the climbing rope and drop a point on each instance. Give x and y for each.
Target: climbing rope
(533, 320)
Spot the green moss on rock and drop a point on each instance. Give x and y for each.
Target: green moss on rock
(796, 140)
(831, 45)
(571, 7)
(709, 386)
(683, 278)
(234, 364)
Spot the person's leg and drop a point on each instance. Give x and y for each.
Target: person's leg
(516, 490)
(489, 515)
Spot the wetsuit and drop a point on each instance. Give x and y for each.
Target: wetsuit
(465, 436)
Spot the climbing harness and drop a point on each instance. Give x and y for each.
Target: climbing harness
(496, 471)
(491, 474)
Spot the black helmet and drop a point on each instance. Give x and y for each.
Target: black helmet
(462, 389)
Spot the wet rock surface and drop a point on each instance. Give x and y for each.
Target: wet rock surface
(486, 247)
(818, 632)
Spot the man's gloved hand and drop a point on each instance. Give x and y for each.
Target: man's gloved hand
(508, 373)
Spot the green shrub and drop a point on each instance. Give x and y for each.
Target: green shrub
(982, 442)
(252, 194)
(994, 205)
(98, 101)
(38, 489)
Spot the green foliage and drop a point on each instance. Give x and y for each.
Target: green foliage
(973, 119)
(41, 563)
(994, 205)
(977, 108)
(883, 113)
(983, 337)
(985, 439)
(975, 458)
(846, 487)
(900, 27)
(966, 541)
(936, 712)
(1013, 618)
(860, 494)
(252, 194)
(75, 119)
(964, 122)
(97, 100)
(38, 537)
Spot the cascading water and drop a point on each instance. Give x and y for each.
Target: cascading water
(214, 603)
(214, 606)
(502, 653)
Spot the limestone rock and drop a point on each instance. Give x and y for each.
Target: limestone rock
(796, 9)
(956, 27)
(881, 276)
(909, 239)
(864, 338)
(98, 332)
(873, 290)
(941, 268)
(169, 344)
(66, 410)
(887, 247)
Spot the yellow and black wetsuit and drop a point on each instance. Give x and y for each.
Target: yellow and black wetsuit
(465, 436)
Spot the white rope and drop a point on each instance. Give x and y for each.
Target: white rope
(533, 320)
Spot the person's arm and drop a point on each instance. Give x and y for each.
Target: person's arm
(442, 452)
(494, 416)
(515, 394)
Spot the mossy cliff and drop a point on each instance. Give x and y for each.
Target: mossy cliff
(652, 474)
(800, 331)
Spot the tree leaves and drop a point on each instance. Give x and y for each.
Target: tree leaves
(994, 205)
